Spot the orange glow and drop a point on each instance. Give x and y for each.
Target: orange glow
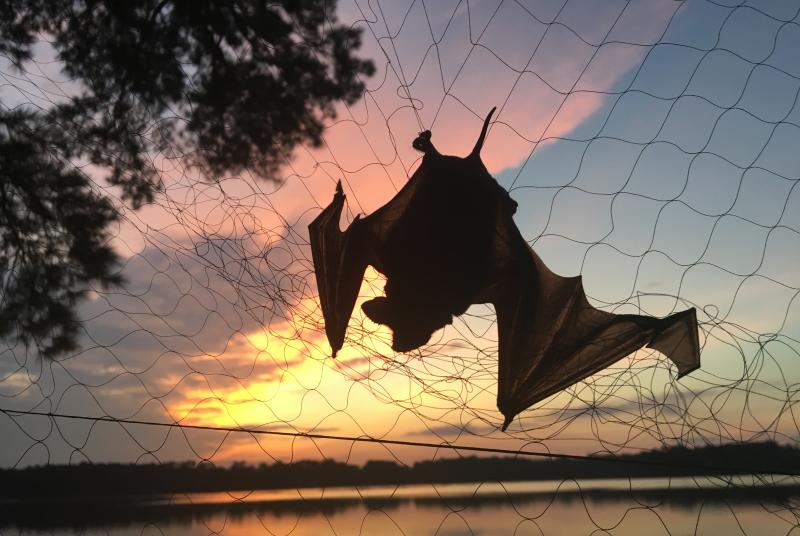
(285, 378)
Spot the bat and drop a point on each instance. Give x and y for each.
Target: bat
(447, 240)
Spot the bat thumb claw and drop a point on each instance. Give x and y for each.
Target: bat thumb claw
(508, 420)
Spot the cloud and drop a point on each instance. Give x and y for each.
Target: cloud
(482, 59)
(219, 321)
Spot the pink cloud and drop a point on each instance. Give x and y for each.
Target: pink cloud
(562, 86)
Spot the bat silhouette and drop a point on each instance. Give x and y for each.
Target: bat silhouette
(446, 241)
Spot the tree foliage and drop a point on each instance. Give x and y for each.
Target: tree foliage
(235, 85)
(53, 235)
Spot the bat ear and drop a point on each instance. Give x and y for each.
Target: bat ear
(476, 151)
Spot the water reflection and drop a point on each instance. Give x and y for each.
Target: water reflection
(619, 507)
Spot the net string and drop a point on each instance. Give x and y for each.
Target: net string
(259, 289)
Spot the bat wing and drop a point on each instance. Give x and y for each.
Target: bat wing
(340, 260)
(429, 241)
(550, 337)
(341, 257)
(447, 240)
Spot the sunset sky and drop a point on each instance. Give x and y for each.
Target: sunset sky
(653, 146)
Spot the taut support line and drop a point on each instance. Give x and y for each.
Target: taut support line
(446, 446)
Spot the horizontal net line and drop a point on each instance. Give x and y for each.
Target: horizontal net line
(447, 446)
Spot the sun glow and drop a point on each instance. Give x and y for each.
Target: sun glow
(291, 381)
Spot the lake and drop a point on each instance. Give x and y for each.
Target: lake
(677, 506)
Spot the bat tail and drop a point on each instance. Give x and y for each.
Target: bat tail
(476, 151)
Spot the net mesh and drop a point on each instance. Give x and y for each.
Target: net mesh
(652, 147)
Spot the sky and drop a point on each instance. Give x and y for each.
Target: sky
(652, 146)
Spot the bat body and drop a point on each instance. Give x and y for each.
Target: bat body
(447, 240)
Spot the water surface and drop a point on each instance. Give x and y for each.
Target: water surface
(678, 506)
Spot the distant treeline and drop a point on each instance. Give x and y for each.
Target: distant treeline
(127, 479)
